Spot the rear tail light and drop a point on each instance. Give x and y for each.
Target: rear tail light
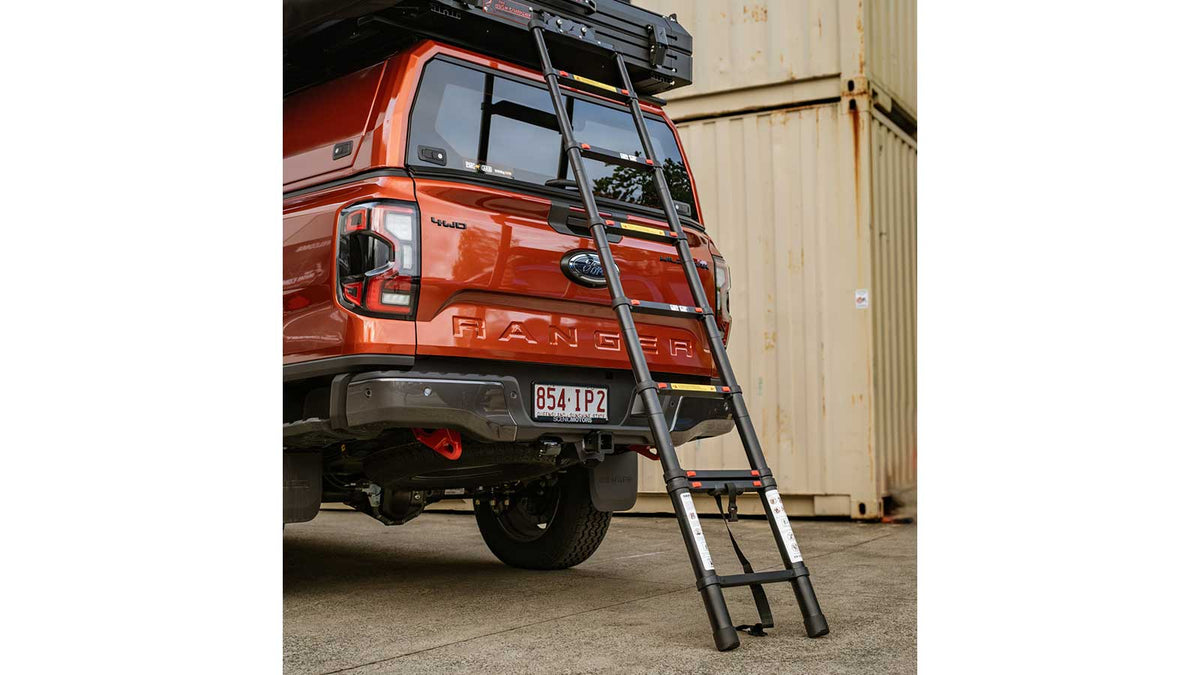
(379, 259)
(724, 316)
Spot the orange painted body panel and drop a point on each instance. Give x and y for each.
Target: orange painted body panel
(494, 290)
(317, 119)
(314, 324)
(497, 287)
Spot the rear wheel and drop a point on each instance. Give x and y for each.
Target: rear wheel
(549, 524)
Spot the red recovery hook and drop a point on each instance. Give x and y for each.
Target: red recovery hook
(442, 441)
(645, 451)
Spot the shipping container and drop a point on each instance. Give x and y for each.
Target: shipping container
(756, 54)
(890, 28)
(894, 262)
(812, 207)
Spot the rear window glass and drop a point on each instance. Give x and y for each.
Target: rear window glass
(522, 132)
(613, 129)
(451, 111)
(497, 126)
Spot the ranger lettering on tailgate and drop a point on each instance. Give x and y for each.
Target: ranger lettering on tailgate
(469, 328)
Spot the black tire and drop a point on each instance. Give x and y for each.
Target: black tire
(553, 530)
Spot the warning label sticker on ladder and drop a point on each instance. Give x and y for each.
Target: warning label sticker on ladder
(785, 528)
(697, 534)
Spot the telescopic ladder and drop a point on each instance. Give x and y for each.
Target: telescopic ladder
(681, 483)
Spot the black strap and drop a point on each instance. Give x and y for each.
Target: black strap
(760, 596)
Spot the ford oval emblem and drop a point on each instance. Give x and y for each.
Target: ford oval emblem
(583, 267)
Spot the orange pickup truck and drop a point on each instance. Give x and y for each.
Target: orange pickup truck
(446, 329)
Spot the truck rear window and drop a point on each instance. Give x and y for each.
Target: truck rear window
(488, 123)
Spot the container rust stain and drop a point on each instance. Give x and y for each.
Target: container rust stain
(853, 105)
(756, 13)
(862, 53)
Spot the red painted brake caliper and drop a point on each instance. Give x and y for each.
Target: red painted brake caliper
(442, 441)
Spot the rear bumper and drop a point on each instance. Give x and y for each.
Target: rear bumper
(493, 406)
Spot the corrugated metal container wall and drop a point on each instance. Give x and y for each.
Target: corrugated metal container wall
(811, 204)
(890, 28)
(739, 45)
(778, 191)
(894, 258)
(766, 53)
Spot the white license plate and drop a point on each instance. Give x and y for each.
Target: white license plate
(568, 403)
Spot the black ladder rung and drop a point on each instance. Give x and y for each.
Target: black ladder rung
(613, 157)
(581, 82)
(720, 480)
(666, 309)
(697, 390)
(640, 231)
(757, 578)
(723, 474)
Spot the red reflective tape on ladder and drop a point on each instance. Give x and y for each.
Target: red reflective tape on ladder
(689, 474)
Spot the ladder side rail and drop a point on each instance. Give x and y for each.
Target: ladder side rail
(574, 157)
(664, 193)
(706, 578)
(814, 620)
(742, 418)
(633, 345)
(815, 624)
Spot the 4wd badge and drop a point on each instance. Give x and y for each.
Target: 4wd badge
(447, 223)
(583, 267)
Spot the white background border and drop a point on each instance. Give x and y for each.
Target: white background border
(1058, 336)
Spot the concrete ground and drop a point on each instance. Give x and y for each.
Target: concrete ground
(428, 597)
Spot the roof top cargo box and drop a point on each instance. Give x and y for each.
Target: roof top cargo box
(327, 38)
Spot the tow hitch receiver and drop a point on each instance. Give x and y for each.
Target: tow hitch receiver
(442, 441)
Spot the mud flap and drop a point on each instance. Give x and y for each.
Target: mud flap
(301, 486)
(613, 482)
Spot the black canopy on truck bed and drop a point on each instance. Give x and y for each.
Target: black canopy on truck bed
(326, 38)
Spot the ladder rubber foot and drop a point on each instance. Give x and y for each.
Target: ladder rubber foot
(726, 639)
(816, 625)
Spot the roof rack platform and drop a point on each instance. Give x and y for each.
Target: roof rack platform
(327, 38)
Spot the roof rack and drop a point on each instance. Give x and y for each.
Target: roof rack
(324, 39)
